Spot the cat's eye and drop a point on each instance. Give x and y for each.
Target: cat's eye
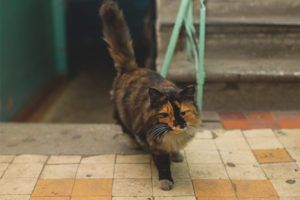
(164, 115)
(182, 114)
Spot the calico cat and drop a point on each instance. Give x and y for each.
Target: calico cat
(147, 106)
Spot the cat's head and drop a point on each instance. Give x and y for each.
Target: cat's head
(174, 112)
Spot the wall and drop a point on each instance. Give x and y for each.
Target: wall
(27, 52)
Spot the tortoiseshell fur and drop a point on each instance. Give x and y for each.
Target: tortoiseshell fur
(147, 106)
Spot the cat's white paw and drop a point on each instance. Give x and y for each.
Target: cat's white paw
(177, 157)
(165, 184)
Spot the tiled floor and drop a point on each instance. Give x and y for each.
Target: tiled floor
(258, 164)
(257, 120)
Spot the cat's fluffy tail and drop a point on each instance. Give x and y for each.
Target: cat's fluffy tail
(117, 36)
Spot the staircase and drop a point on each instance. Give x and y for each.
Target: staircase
(252, 50)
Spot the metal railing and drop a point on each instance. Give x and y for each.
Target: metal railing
(195, 46)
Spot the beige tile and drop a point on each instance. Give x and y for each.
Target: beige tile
(238, 157)
(181, 187)
(3, 167)
(132, 187)
(281, 170)
(208, 171)
(64, 160)
(201, 145)
(194, 157)
(106, 159)
(17, 186)
(130, 159)
(176, 198)
(6, 158)
(132, 198)
(178, 170)
(289, 138)
(232, 144)
(245, 172)
(132, 171)
(290, 198)
(295, 153)
(228, 134)
(59, 171)
(14, 197)
(203, 134)
(258, 133)
(95, 170)
(30, 159)
(24, 170)
(286, 188)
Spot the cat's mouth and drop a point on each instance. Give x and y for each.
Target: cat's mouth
(177, 130)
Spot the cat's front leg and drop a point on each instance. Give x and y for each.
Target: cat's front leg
(177, 157)
(162, 162)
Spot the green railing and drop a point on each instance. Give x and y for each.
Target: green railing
(195, 46)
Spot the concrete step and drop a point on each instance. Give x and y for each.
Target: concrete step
(234, 69)
(285, 11)
(257, 40)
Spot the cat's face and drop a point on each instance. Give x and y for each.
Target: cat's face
(174, 113)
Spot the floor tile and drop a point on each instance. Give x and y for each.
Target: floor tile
(30, 159)
(50, 198)
(286, 116)
(295, 153)
(211, 125)
(53, 187)
(6, 158)
(260, 116)
(208, 171)
(254, 188)
(132, 187)
(91, 198)
(238, 157)
(228, 134)
(59, 171)
(290, 198)
(3, 167)
(272, 155)
(133, 198)
(17, 185)
(14, 197)
(232, 116)
(236, 124)
(64, 159)
(178, 170)
(265, 124)
(203, 134)
(95, 170)
(24, 170)
(232, 144)
(92, 187)
(199, 144)
(290, 124)
(287, 188)
(107, 159)
(130, 159)
(213, 188)
(181, 187)
(176, 198)
(261, 198)
(203, 157)
(132, 171)
(281, 170)
(289, 139)
(245, 172)
(262, 139)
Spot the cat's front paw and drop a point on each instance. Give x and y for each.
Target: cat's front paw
(177, 157)
(165, 184)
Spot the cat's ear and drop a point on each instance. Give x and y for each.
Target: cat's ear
(155, 96)
(188, 93)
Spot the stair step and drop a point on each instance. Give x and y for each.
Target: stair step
(251, 40)
(234, 69)
(267, 10)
